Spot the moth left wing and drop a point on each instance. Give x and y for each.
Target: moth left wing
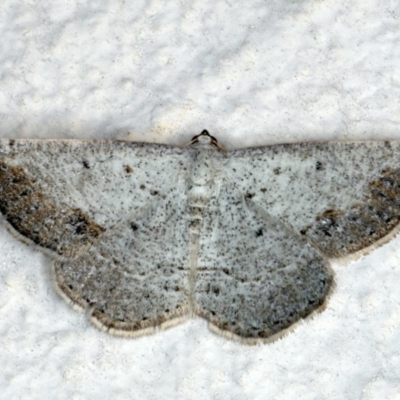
(135, 278)
(62, 195)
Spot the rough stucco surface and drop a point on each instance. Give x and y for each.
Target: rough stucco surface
(252, 74)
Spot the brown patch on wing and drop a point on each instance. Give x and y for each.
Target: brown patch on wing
(63, 230)
(341, 232)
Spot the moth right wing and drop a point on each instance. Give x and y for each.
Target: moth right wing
(255, 276)
(279, 211)
(344, 197)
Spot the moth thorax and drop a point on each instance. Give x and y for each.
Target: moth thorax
(201, 181)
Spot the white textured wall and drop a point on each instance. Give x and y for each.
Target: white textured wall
(252, 73)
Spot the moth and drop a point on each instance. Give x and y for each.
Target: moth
(144, 236)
